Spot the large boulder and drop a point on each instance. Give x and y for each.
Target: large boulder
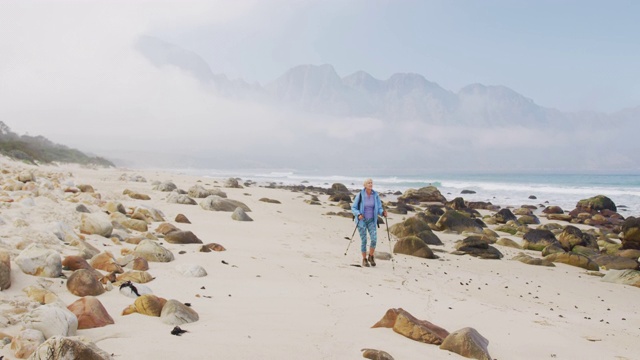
(615, 262)
(26, 342)
(626, 277)
(39, 261)
(505, 215)
(414, 246)
(407, 325)
(152, 251)
(166, 186)
(90, 313)
(182, 237)
(631, 233)
(467, 342)
(415, 226)
(573, 260)
(199, 192)
(597, 203)
(477, 246)
(176, 198)
(217, 203)
(84, 283)
(96, 223)
(538, 239)
(51, 320)
(425, 194)
(571, 236)
(459, 222)
(177, 313)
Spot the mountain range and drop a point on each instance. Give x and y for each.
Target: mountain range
(401, 97)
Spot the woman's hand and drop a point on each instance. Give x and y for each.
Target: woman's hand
(360, 217)
(384, 213)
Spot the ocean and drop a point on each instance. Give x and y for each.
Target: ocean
(564, 190)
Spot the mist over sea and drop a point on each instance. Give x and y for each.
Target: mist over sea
(564, 190)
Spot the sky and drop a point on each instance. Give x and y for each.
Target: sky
(69, 70)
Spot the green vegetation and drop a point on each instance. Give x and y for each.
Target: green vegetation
(38, 149)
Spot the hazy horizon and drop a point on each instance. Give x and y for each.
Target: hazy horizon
(70, 72)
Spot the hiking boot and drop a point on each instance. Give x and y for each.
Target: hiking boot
(365, 263)
(371, 260)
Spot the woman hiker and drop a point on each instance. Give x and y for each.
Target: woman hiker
(366, 208)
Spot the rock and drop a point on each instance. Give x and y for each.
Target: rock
(424, 194)
(197, 191)
(615, 262)
(180, 218)
(597, 203)
(477, 246)
(572, 236)
(529, 260)
(509, 243)
(232, 183)
(139, 264)
(97, 223)
(626, 277)
(39, 261)
(105, 262)
(537, 239)
(523, 211)
(465, 191)
(270, 201)
(509, 229)
(573, 260)
(5, 270)
(467, 342)
(182, 237)
(147, 304)
(553, 210)
(64, 232)
(152, 251)
(216, 203)
(414, 246)
(459, 222)
(529, 220)
(114, 207)
(559, 217)
(166, 186)
(136, 276)
(133, 224)
(407, 325)
(82, 209)
(135, 195)
(83, 283)
(376, 354)
(90, 313)
(51, 320)
(26, 342)
(177, 313)
(505, 215)
(240, 215)
(337, 188)
(415, 226)
(41, 295)
(76, 348)
(175, 198)
(631, 233)
(212, 247)
(191, 270)
(553, 249)
(166, 228)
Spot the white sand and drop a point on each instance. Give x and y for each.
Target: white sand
(288, 291)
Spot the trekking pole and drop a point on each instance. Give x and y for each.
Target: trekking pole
(393, 264)
(351, 239)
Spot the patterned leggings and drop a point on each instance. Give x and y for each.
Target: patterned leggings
(370, 225)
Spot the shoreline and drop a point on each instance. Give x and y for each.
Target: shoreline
(284, 288)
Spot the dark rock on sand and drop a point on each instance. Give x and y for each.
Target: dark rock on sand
(631, 233)
(457, 221)
(414, 246)
(425, 194)
(477, 246)
(415, 226)
(536, 239)
(407, 325)
(467, 342)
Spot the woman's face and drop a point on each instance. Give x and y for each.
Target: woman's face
(368, 185)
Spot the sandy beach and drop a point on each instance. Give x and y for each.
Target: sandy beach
(283, 287)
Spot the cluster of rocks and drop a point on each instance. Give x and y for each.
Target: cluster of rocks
(611, 243)
(466, 342)
(39, 324)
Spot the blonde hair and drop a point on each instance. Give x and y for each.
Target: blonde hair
(367, 181)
